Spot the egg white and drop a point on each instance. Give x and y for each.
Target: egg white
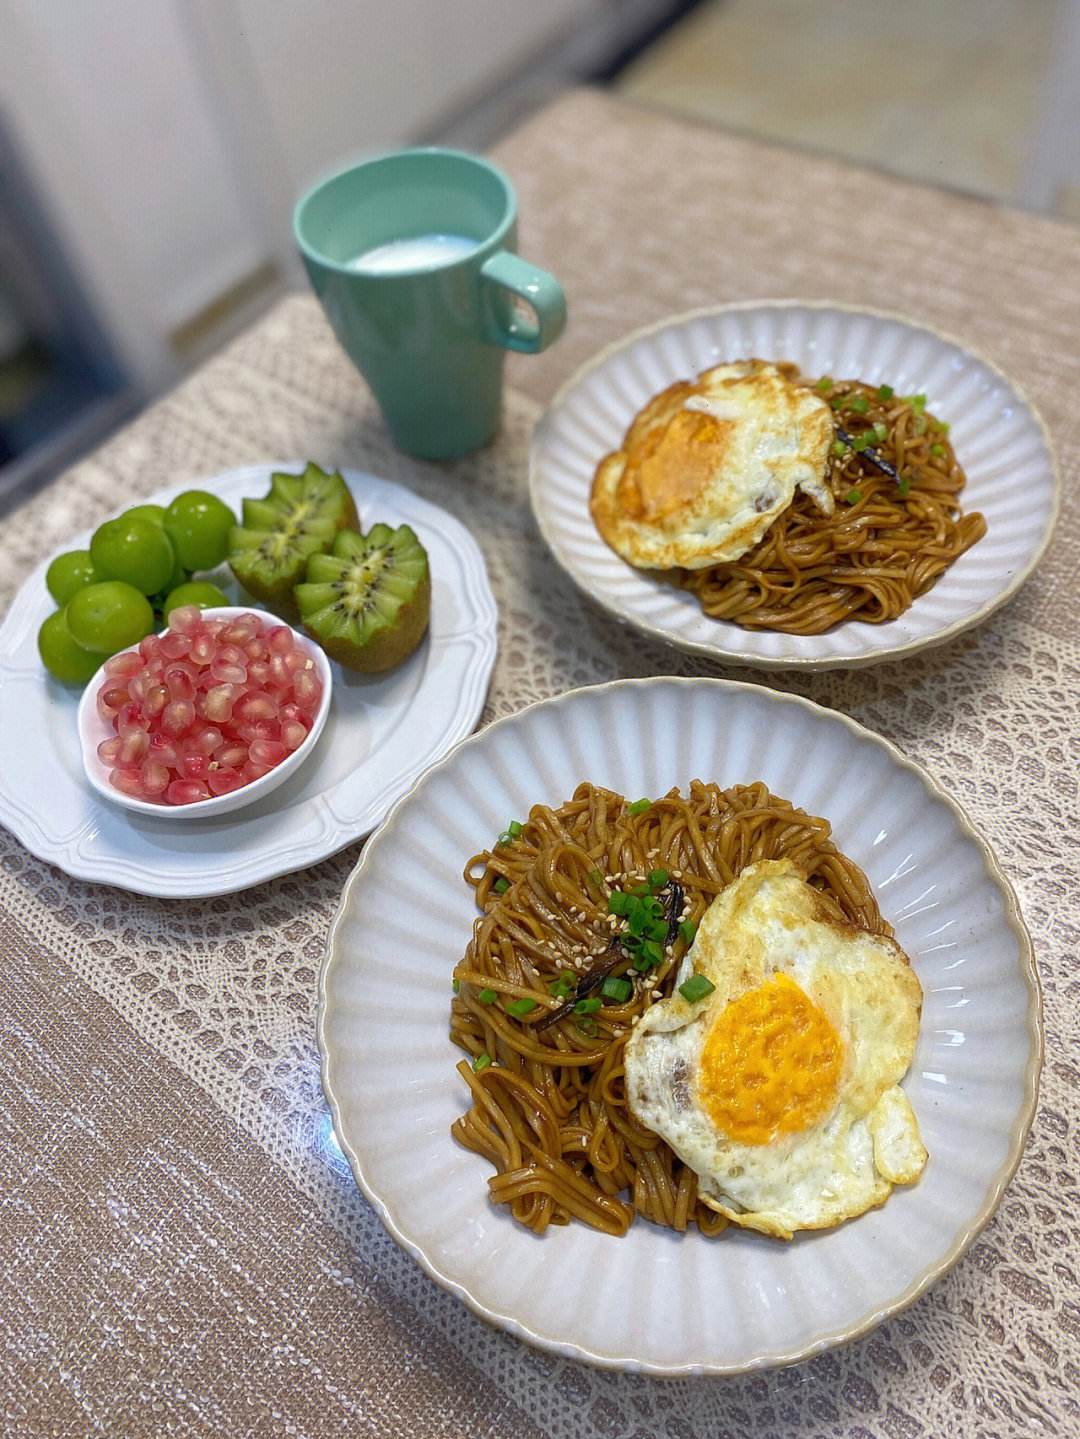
(770, 921)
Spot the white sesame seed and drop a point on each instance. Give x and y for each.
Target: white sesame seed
(658, 994)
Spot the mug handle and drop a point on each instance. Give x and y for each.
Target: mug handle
(540, 291)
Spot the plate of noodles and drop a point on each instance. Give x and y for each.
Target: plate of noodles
(789, 484)
(680, 1026)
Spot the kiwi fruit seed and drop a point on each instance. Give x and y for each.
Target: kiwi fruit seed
(369, 600)
(298, 518)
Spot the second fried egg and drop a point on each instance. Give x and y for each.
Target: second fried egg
(706, 467)
(781, 1088)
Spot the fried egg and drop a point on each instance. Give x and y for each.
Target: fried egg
(781, 1088)
(705, 468)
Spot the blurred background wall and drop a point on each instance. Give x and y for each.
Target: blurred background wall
(151, 150)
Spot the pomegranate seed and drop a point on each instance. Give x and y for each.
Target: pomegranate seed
(163, 750)
(133, 749)
(127, 781)
(148, 646)
(296, 660)
(123, 666)
(203, 648)
(177, 717)
(174, 645)
(266, 751)
(279, 639)
(227, 673)
(307, 691)
(255, 650)
(224, 781)
(130, 718)
(257, 705)
(155, 776)
(108, 749)
(258, 729)
(156, 699)
(194, 765)
(232, 756)
(206, 740)
(240, 631)
(111, 699)
(180, 679)
(186, 620)
(290, 712)
(293, 734)
(216, 704)
(186, 791)
(255, 771)
(280, 674)
(259, 672)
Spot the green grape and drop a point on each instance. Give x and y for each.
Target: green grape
(198, 525)
(154, 513)
(135, 550)
(195, 592)
(68, 573)
(61, 656)
(109, 616)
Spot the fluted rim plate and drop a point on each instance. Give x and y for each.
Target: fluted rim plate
(999, 438)
(381, 733)
(655, 1302)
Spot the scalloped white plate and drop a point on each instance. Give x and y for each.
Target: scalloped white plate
(999, 438)
(381, 734)
(655, 1301)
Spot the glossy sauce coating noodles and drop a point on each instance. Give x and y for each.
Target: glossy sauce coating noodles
(548, 1097)
(886, 543)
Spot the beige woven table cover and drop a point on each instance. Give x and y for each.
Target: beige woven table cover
(182, 1252)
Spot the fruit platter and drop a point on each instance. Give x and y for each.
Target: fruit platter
(272, 656)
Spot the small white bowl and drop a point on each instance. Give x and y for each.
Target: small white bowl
(93, 729)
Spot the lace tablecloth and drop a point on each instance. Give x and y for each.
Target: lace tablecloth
(182, 1250)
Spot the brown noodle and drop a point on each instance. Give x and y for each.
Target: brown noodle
(550, 1112)
(873, 556)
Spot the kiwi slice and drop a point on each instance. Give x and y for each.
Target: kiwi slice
(369, 600)
(298, 518)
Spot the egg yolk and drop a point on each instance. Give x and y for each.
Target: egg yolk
(672, 464)
(771, 1063)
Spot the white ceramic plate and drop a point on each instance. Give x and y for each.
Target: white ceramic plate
(382, 732)
(999, 439)
(655, 1301)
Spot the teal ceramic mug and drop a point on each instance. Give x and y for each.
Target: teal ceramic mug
(412, 255)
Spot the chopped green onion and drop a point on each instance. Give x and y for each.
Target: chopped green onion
(587, 1025)
(562, 987)
(941, 427)
(636, 921)
(631, 941)
(937, 451)
(885, 392)
(640, 891)
(862, 442)
(687, 930)
(881, 431)
(514, 828)
(658, 878)
(652, 906)
(860, 404)
(657, 929)
(505, 837)
(481, 1062)
(825, 384)
(594, 876)
(617, 902)
(696, 988)
(519, 1008)
(920, 425)
(639, 806)
(641, 964)
(838, 401)
(839, 449)
(487, 996)
(617, 989)
(456, 985)
(917, 403)
(853, 496)
(501, 885)
(652, 951)
(587, 1006)
(903, 487)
